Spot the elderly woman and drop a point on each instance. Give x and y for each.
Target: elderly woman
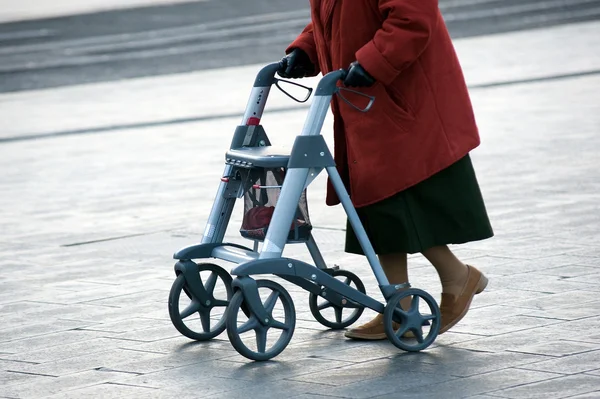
(405, 162)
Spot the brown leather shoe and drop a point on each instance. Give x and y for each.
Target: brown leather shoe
(454, 308)
(373, 330)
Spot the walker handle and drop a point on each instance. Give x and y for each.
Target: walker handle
(266, 78)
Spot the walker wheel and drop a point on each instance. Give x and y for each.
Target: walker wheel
(197, 320)
(324, 311)
(417, 330)
(262, 341)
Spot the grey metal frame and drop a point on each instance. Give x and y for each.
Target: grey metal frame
(309, 156)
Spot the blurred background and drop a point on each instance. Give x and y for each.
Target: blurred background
(121, 39)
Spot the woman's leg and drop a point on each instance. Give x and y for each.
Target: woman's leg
(396, 270)
(452, 272)
(395, 267)
(460, 283)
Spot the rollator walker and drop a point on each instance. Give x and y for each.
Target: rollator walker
(273, 186)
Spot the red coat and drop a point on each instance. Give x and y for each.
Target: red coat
(421, 121)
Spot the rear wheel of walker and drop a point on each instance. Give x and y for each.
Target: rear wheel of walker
(335, 316)
(253, 339)
(419, 325)
(198, 321)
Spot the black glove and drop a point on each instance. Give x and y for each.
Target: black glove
(358, 77)
(297, 65)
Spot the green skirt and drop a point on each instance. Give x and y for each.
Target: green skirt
(444, 209)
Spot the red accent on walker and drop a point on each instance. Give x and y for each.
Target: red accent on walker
(253, 121)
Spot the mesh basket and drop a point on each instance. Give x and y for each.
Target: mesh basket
(259, 204)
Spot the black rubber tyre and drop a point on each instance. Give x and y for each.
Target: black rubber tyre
(234, 331)
(412, 320)
(340, 322)
(178, 316)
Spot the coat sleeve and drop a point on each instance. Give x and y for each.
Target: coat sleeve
(403, 36)
(306, 42)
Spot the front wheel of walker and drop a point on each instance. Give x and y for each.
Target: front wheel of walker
(196, 320)
(264, 340)
(422, 319)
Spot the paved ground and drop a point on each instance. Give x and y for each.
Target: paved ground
(88, 223)
(212, 34)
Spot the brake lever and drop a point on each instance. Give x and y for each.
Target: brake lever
(366, 109)
(309, 89)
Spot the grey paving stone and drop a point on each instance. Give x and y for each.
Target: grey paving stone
(504, 325)
(360, 351)
(559, 300)
(573, 270)
(180, 378)
(11, 365)
(119, 327)
(520, 339)
(479, 384)
(484, 396)
(68, 312)
(109, 359)
(539, 283)
(180, 344)
(249, 373)
(589, 395)
(172, 360)
(557, 348)
(451, 338)
(590, 325)
(96, 316)
(505, 297)
(150, 334)
(397, 384)
(110, 390)
(46, 341)
(591, 338)
(370, 370)
(65, 351)
(572, 364)
(288, 389)
(570, 312)
(30, 329)
(499, 311)
(8, 378)
(593, 278)
(555, 388)
(141, 297)
(291, 365)
(464, 363)
(50, 386)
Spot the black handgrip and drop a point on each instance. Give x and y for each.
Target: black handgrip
(282, 66)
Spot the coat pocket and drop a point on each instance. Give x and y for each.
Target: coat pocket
(399, 103)
(384, 115)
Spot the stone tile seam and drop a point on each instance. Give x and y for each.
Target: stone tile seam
(28, 373)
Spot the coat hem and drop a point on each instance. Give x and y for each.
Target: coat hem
(336, 201)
